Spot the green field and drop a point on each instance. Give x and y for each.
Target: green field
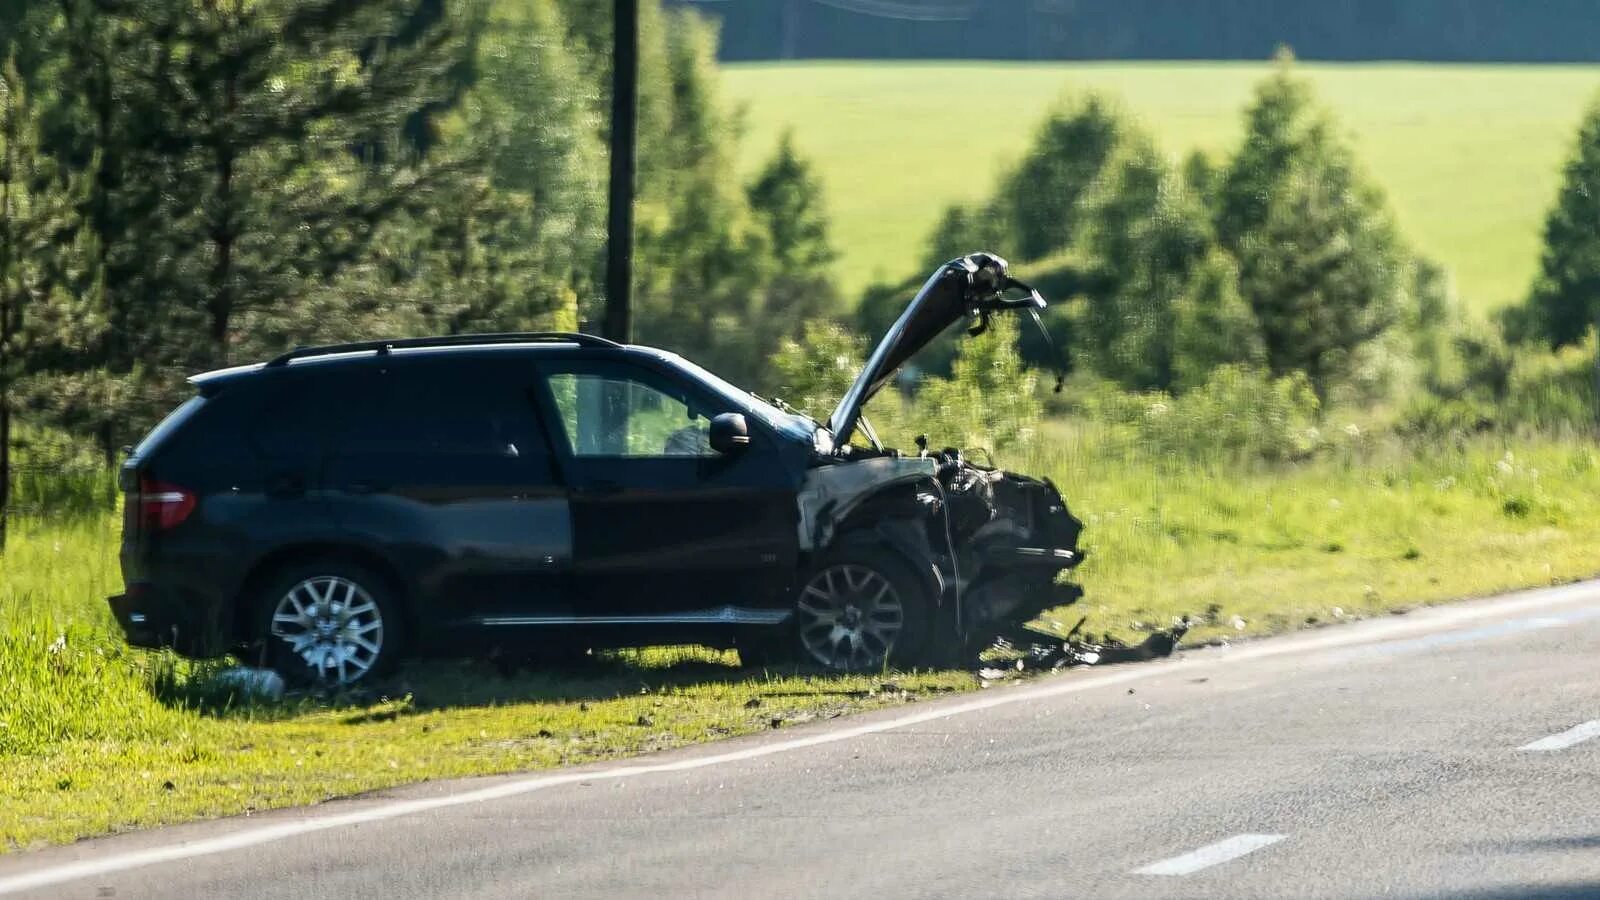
(1469, 155)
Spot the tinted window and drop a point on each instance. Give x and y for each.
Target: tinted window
(168, 426)
(629, 412)
(299, 416)
(458, 409)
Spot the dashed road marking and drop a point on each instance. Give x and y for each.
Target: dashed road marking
(1211, 855)
(1575, 735)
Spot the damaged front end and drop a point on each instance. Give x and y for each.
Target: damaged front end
(987, 546)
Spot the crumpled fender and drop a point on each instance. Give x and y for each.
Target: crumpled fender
(895, 503)
(830, 496)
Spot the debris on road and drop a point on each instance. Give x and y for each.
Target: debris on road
(1040, 651)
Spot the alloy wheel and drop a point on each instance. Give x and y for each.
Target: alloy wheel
(333, 625)
(849, 617)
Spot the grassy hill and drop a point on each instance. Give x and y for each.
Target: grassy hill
(1468, 154)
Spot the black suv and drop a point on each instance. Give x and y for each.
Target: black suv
(338, 507)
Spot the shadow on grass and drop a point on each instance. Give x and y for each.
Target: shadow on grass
(421, 686)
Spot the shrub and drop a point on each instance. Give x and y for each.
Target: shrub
(812, 373)
(1239, 412)
(990, 400)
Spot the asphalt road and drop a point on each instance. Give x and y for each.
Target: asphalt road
(1447, 753)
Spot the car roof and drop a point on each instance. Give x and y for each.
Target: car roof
(465, 346)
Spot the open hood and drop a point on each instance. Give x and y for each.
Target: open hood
(972, 286)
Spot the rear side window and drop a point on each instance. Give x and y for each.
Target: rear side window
(453, 409)
(299, 416)
(169, 426)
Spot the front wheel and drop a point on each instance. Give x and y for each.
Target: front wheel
(862, 609)
(331, 624)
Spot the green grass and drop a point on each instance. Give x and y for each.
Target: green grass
(1259, 550)
(1469, 155)
(96, 738)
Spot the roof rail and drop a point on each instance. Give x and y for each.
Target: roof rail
(382, 347)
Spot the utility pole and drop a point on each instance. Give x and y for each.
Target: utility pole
(618, 325)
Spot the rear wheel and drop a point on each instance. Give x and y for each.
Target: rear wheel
(861, 609)
(331, 623)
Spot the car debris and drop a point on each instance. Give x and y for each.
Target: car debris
(261, 684)
(1038, 651)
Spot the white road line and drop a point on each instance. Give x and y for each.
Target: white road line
(1575, 735)
(1211, 855)
(321, 820)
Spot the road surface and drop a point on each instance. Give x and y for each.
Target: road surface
(1451, 752)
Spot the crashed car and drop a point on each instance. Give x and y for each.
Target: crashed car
(337, 508)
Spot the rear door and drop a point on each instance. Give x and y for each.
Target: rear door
(665, 530)
(448, 473)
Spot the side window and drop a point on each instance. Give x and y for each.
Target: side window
(628, 412)
(298, 416)
(468, 414)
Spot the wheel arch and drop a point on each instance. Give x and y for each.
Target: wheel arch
(279, 558)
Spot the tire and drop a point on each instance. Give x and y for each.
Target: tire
(860, 609)
(329, 623)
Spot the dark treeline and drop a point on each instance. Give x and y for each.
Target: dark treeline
(1443, 30)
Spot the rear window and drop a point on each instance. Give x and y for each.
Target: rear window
(169, 426)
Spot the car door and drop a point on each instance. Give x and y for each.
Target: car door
(447, 472)
(666, 530)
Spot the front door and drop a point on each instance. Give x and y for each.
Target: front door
(665, 529)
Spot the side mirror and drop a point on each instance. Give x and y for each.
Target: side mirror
(730, 433)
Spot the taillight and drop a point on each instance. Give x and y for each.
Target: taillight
(163, 505)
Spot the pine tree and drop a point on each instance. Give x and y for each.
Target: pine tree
(1038, 199)
(786, 199)
(1319, 259)
(1212, 325)
(241, 155)
(43, 321)
(534, 106)
(1565, 299)
(1144, 237)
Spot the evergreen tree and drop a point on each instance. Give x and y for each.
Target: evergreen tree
(1212, 325)
(1319, 260)
(1038, 199)
(535, 107)
(43, 321)
(786, 199)
(241, 155)
(1565, 299)
(1034, 211)
(964, 229)
(1152, 279)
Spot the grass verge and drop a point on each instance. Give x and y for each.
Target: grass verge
(96, 738)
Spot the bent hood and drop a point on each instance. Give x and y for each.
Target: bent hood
(969, 286)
